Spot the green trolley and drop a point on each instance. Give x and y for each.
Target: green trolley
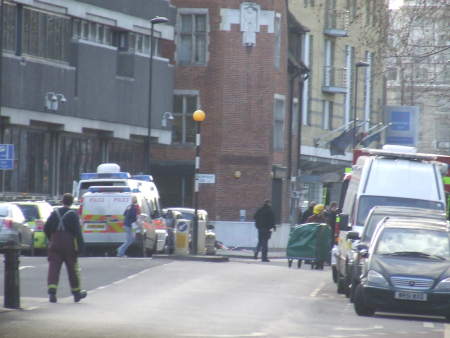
(309, 242)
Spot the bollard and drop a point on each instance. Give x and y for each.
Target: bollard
(12, 283)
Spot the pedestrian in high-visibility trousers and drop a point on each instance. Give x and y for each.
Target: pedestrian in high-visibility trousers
(65, 240)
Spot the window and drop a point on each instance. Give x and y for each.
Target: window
(193, 48)
(278, 125)
(309, 2)
(183, 124)
(92, 31)
(10, 27)
(45, 35)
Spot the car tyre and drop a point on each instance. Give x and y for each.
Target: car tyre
(360, 305)
(340, 285)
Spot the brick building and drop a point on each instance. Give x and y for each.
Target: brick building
(231, 61)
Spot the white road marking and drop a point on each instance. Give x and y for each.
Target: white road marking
(26, 267)
(428, 324)
(255, 334)
(316, 291)
(447, 331)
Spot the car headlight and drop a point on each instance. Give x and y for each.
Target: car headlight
(443, 285)
(377, 279)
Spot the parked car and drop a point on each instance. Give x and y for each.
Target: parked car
(14, 230)
(36, 214)
(406, 269)
(376, 215)
(207, 237)
(392, 176)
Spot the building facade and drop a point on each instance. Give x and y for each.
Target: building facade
(231, 61)
(420, 77)
(74, 88)
(343, 51)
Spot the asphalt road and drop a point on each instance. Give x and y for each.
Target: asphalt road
(138, 297)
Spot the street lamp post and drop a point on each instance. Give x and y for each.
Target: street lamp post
(358, 65)
(153, 22)
(199, 117)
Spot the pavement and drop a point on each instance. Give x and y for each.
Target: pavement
(224, 255)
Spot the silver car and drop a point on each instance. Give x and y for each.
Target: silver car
(14, 230)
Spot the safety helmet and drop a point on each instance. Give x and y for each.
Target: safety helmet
(318, 208)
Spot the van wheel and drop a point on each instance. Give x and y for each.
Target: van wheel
(361, 308)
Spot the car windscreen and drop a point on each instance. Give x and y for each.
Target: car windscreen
(30, 212)
(367, 202)
(404, 241)
(4, 211)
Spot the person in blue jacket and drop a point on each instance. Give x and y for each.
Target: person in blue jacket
(131, 213)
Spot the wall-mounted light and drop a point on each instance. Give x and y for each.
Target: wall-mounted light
(165, 118)
(237, 174)
(52, 100)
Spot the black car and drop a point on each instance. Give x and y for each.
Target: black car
(406, 269)
(374, 217)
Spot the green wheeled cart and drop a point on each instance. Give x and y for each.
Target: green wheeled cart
(309, 242)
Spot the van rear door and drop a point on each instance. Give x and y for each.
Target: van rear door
(103, 212)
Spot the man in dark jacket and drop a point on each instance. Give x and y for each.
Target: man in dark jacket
(264, 222)
(65, 240)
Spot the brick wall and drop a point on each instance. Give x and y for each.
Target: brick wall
(237, 88)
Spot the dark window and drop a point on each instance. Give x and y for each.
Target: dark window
(183, 123)
(192, 39)
(10, 27)
(45, 35)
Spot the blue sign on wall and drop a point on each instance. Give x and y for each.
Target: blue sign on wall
(400, 120)
(403, 125)
(6, 156)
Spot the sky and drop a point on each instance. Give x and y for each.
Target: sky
(394, 4)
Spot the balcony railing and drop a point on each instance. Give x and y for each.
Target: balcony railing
(335, 80)
(336, 23)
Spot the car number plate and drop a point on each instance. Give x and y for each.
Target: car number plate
(406, 295)
(95, 226)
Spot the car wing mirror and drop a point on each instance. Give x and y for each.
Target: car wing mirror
(364, 253)
(210, 226)
(353, 235)
(362, 247)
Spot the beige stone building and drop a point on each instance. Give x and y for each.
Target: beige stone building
(342, 33)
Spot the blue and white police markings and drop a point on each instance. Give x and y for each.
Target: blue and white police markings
(182, 226)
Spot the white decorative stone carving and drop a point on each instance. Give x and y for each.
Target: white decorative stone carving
(249, 22)
(250, 17)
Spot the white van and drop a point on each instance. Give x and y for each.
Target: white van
(102, 220)
(394, 176)
(109, 175)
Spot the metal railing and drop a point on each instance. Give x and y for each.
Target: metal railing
(337, 21)
(335, 77)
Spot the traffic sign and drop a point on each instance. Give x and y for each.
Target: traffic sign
(206, 178)
(6, 151)
(6, 164)
(182, 226)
